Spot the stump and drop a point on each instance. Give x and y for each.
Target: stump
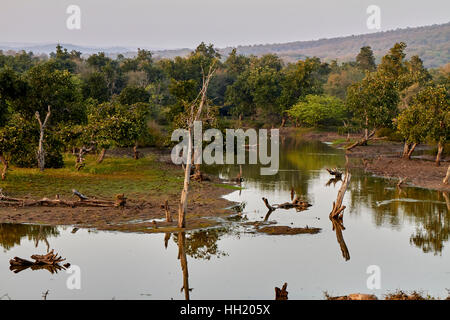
(281, 294)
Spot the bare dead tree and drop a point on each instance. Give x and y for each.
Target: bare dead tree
(194, 116)
(41, 151)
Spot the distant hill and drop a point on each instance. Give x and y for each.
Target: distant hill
(431, 43)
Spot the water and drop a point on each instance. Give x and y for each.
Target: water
(404, 232)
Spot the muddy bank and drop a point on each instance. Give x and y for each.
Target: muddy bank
(383, 158)
(143, 211)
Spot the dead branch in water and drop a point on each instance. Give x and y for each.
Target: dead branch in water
(50, 261)
(335, 172)
(401, 181)
(338, 208)
(298, 204)
(281, 294)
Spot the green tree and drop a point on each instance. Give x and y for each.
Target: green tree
(318, 110)
(366, 60)
(373, 102)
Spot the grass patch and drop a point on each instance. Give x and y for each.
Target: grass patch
(228, 186)
(135, 178)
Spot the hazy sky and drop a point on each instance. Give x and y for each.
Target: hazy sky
(185, 23)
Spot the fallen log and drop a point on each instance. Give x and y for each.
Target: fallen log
(363, 141)
(83, 201)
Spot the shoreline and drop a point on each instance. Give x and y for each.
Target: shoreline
(383, 158)
(144, 212)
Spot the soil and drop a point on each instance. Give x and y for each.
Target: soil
(383, 158)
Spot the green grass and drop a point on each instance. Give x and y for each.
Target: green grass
(228, 186)
(136, 178)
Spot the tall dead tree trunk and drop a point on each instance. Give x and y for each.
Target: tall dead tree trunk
(41, 151)
(5, 166)
(194, 116)
(439, 153)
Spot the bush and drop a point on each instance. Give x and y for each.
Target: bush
(317, 111)
(391, 134)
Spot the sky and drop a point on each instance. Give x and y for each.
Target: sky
(167, 24)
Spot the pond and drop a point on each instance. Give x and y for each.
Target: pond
(404, 232)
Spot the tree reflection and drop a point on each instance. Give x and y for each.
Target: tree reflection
(11, 234)
(428, 210)
(338, 226)
(203, 244)
(183, 261)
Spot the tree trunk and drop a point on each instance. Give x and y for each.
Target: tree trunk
(439, 153)
(41, 152)
(102, 156)
(447, 176)
(194, 116)
(5, 166)
(135, 152)
(166, 209)
(187, 177)
(411, 150)
(283, 122)
(406, 149)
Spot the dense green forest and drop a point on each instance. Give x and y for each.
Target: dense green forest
(67, 103)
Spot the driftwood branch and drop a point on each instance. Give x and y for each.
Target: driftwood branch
(338, 208)
(50, 261)
(281, 294)
(335, 172)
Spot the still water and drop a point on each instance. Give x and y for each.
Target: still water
(403, 232)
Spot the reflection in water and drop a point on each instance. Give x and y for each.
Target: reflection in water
(198, 245)
(184, 267)
(338, 226)
(11, 234)
(302, 163)
(203, 244)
